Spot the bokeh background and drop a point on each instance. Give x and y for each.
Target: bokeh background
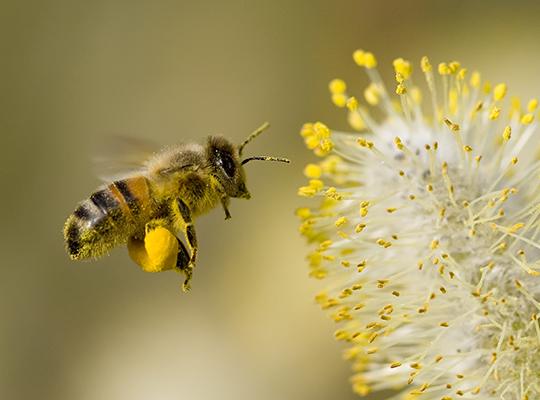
(73, 73)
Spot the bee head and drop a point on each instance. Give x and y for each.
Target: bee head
(224, 159)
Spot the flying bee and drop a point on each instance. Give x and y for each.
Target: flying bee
(171, 189)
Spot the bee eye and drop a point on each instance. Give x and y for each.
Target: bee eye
(228, 164)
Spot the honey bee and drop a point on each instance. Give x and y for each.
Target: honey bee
(172, 188)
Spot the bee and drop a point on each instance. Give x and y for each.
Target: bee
(173, 187)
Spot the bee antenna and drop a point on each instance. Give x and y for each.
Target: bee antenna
(266, 158)
(252, 136)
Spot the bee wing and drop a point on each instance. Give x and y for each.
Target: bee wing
(122, 157)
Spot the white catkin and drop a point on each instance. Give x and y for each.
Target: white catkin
(426, 235)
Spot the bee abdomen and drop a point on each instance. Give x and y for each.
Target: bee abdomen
(107, 218)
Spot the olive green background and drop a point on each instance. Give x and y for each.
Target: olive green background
(76, 72)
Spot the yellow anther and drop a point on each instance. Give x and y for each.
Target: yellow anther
(306, 191)
(507, 133)
(369, 60)
(372, 94)
(339, 99)
(462, 74)
(337, 86)
(403, 67)
(330, 164)
(454, 66)
(487, 87)
(364, 143)
(527, 119)
(516, 227)
(532, 105)
(451, 125)
(313, 171)
(515, 105)
(494, 113)
(321, 130)
(475, 80)
(307, 130)
(332, 193)
(399, 144)
(444, 324)
(425, 64)
(499, 91)
(303, 213)
(372, 337)
(478, 106)
(316, 184)
(359, 228)
(444, 69)
(358, 57)
(311, 142)
(467, 148)
(352, 103)
(434, 244)
(401, 89)
(326, 146)
(391, 210)
(325, 245)
(341, 221)
(395, 364)
(364, 59)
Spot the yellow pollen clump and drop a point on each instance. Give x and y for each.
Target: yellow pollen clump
(158, 251)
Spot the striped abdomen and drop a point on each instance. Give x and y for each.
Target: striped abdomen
(108, 218)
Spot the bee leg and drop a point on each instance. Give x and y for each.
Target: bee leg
(182, 263)
(191, 238)
(225, 204)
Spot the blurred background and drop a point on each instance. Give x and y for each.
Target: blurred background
(76, 72)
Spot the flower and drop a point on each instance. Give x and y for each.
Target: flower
(427, 234)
